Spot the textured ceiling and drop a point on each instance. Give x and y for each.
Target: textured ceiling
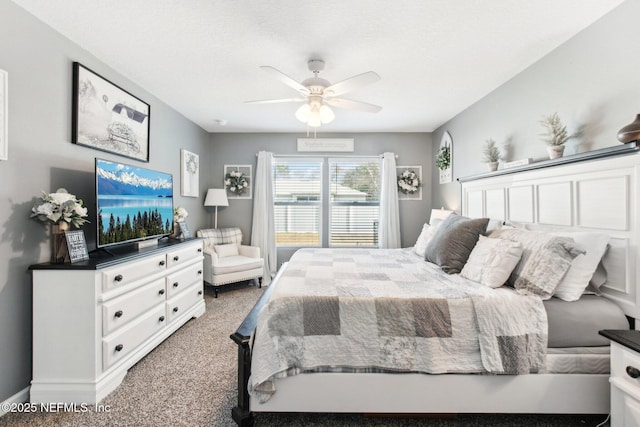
(435, 57)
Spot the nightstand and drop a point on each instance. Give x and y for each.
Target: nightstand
(625, 377)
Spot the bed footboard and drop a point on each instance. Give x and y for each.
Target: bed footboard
(241, 413)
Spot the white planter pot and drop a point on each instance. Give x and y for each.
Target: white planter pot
(555, 151)
(492, 166)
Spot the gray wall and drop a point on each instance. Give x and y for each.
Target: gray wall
(42, 157)
(411, 148)
(591, 81)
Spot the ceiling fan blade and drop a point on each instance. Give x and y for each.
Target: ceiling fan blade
(275, 101)
(349, 104)
(285, 79)
(352, 83)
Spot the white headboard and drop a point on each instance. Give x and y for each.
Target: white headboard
(596, 195)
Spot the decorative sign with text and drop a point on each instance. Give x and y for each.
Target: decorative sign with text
(186, 234)
(76, 245)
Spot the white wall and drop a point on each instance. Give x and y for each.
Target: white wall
(591, 81)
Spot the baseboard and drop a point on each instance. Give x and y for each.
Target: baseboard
(20, 397)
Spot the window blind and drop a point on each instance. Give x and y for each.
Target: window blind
(297, 200)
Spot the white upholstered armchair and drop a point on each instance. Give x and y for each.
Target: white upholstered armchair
(227, 260)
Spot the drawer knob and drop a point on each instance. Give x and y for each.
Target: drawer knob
(118, 313)
(199, 249)
(119, 347)
(118, 278)
(176, 258)
(199, 272)
(161, 263)
(633, 372)
(175, 309)
(161, 292)
(175, 285)
(199, 292)
(161, 319)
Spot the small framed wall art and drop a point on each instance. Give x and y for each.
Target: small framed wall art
(444, 159)
(4, 115)
(108, 118)
(190, 168)
(238, 181)
(409, 182)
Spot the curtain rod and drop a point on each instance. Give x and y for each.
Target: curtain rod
(379, 156)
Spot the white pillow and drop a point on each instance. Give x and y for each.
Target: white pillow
(425, 235)
(492, 261)
(229, 249)
(582, 268)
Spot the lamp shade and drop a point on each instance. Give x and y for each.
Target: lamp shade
(216, 197)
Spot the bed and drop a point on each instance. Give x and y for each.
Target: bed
(571, 376)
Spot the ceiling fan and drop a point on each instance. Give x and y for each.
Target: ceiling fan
(318, 94)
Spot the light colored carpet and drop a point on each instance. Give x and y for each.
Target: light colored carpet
(190, 380)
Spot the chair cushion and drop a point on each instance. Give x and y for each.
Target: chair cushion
(230, 249)
(236, 263)
(220, 236)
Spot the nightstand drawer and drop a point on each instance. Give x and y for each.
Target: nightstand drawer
(628, 367)
(118, 312)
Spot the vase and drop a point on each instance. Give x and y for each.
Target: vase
(555, 151)
(59, 251)
(492, 166)
(630, 132)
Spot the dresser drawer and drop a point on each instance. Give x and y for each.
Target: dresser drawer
(178, 305)
(183, 255)
(120, 311)
(179, 280)
(122, 342)
(117, 277)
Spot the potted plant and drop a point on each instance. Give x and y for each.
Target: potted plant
(491, 155)
(555, 135)
(443, 159)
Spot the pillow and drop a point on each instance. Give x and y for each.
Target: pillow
(453, 241)
(491, 261)
(598, 279)
(545, 260)
(584, 266)
(425, 236)
(229, 249)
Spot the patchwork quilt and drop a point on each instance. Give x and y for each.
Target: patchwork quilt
(387, 310)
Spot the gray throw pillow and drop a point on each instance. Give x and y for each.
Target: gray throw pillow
(454, 240)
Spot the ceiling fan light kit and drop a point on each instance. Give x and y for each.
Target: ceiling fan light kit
(319, 94)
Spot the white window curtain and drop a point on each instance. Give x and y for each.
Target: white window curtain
(263, 227)
(389, 233)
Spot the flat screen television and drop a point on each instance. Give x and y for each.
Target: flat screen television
(133, 203)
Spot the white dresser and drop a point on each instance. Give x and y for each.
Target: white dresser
(625, 377)
(95, 319)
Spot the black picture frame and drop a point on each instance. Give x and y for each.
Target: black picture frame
(184, 230)
(76, 246)
(108, 118)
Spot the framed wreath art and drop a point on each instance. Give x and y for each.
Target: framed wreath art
(409, 182)
(190, 165)
(237, 181)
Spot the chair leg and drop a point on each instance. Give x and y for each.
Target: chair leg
(259, 282)
(215, 292)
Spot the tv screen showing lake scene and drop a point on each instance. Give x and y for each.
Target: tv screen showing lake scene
(133, 203)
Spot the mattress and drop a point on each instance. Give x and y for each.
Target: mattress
(577, 360)
(576, 323)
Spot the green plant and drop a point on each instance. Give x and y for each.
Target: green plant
(443, 159)
(555, 132)
(491, 152)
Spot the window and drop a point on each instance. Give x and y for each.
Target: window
(352, 191)
(297, 198)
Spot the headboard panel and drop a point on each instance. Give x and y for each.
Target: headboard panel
(597, 195)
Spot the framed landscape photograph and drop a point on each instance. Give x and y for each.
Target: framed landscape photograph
(108, 118)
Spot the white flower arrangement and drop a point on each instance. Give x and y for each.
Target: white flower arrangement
(58, 207)
(179, 214)
(408, 182)
(236, 182)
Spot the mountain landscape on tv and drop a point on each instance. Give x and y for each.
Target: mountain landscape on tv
(133, 203)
